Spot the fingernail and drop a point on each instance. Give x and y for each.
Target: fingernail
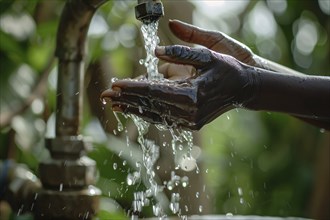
(116, 88)
(116, 91)
(160, 50)
(107, 94)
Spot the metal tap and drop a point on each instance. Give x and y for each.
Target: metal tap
(148, 11)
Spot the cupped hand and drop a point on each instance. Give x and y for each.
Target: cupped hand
(215, 84)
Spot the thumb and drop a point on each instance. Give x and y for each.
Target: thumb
(178, 54)
(196, 35)
(214, 40)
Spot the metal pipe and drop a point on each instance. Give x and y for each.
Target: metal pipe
(70, 50)
(68, 177)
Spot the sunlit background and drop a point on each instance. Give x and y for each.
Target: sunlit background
(249, 163)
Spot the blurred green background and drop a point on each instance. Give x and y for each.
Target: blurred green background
(251, 163)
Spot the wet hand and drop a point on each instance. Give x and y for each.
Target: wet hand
(212, 84)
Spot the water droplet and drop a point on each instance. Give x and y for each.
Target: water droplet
(185, 181)
(61, 187)
(157, 210)
(200, 208)
(174, 205)
(197, 194)
(114, 79)
(170, 185)
(240, 191)
(140, 109)
(229, 214)
(114, 165)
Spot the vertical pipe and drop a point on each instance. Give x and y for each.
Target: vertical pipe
(70, 50)
(69, 97)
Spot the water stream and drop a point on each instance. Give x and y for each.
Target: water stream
(151, 40)
(150, 150)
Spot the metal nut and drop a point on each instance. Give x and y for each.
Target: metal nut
(70, 147)
(73, 204)
(62, 174)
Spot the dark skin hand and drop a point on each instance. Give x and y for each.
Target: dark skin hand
(203, 84)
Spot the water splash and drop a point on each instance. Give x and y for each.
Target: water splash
(120, 126)
(174, 204)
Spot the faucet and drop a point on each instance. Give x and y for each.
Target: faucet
(148, 11)
(66, 188)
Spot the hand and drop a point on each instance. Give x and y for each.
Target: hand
(218, 83)
(209, 84)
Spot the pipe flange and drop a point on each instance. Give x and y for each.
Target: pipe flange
(63, 174)
(73, 204)
(67, 147)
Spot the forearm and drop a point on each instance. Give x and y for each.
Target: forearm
(300, 95)
(272, 66)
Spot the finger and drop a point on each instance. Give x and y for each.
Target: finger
(133, 91)
(109, 94)
(176, 71)
(193, 34)
(163, 69)
(179, 119)
(178, 54)
(175, 92)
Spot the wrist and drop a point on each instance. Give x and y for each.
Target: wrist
(250, 88)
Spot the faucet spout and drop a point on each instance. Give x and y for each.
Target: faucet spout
(148, 11)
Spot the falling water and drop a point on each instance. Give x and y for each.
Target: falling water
(151, 40)
(149, 149)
